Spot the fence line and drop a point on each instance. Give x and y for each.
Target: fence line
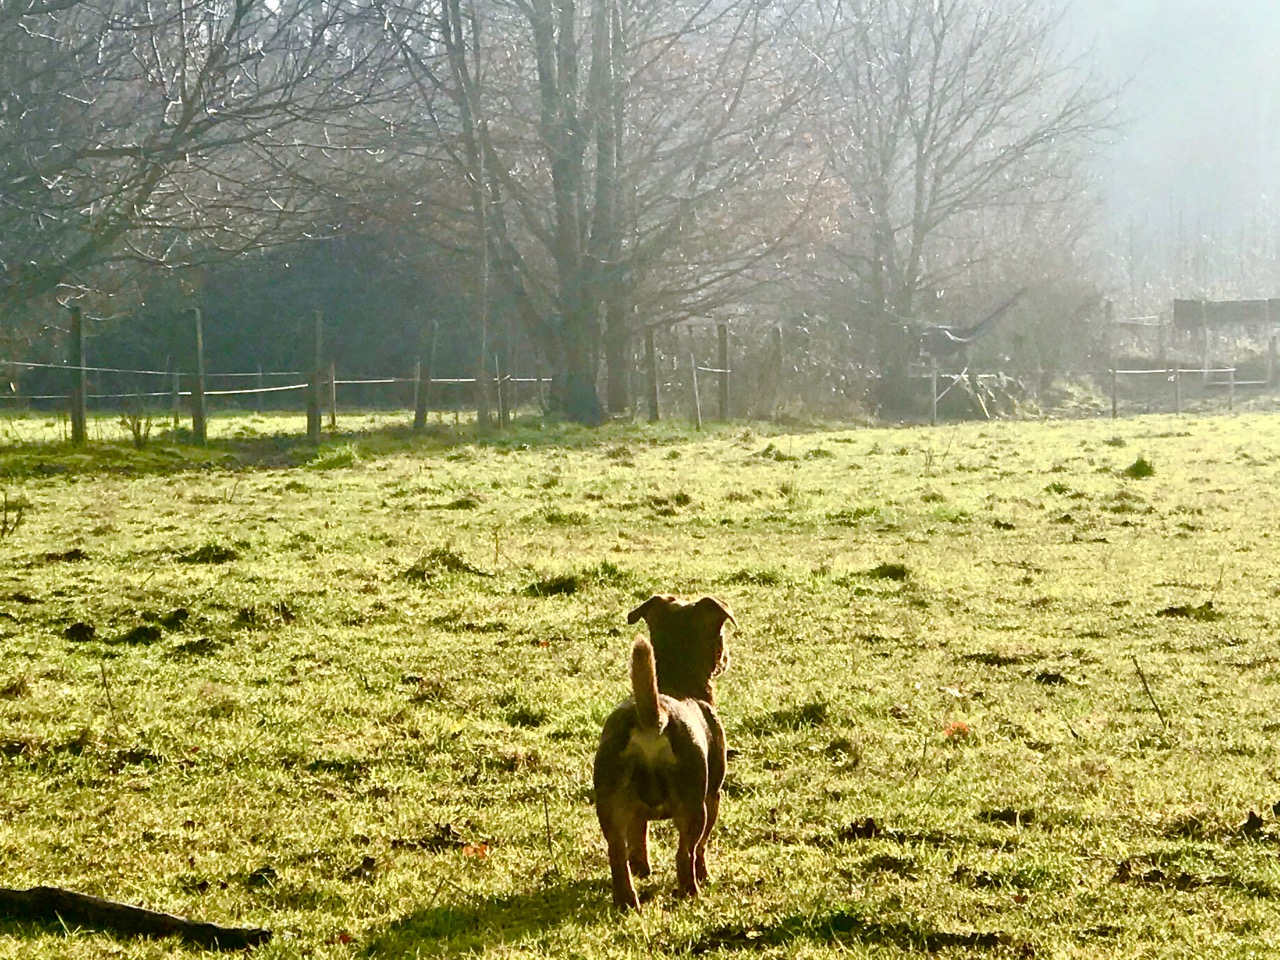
(247, 390)
(506, 379)
(321, 381)
(260, 373)
(154, 393)
(70, 367)
(134, 394)
(1167, 372)
(382, 381)
(1170, 371)
(1174, 376)
(74, 367)
(325, 381)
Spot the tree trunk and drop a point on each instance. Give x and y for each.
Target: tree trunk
(578, 399)
(618, 361)
(897, 346)
(604, 244)
(895, 393)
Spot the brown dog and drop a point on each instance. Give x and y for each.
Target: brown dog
(662, 753)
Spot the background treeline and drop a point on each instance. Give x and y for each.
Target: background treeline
(378, 307)
(544, 182)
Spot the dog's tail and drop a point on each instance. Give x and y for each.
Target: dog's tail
(644, 687)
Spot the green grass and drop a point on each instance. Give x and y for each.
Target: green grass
(353, 694)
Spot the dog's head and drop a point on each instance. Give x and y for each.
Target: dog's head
(688, 643)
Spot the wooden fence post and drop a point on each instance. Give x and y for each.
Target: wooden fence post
(697, 400)
(1177, 389)
(504, 414)
(651, 367)
(261, 382)
(419, 419)
(1111, 350)
(79, 380)
(333, 395)
(422, 385)
(722, 360)
(199, 422)
(933, 393)
(778, 370)
(317, 377)
(484, 409)
(177, 398)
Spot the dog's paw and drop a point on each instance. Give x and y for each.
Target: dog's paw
(623, 904)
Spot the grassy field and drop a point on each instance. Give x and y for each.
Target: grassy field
(1001, 690)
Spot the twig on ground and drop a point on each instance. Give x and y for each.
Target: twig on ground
(546, 816)
(1150, 696)
(7, 526)
(115, 722)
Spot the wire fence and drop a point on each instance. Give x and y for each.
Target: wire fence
(144, 392)
(105, 389)
(178, 391)
(1203, 377)
(765, 375)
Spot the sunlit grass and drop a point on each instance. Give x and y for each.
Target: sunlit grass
(400, 649)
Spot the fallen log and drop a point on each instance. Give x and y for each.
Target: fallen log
(53, 904)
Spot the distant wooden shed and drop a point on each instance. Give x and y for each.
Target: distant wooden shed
(1206, 314)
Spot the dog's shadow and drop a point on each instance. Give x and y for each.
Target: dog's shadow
(469, 925)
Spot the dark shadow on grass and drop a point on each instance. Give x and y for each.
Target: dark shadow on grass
(798, 717)
(470, 925)
(848, 925)
(172, 451)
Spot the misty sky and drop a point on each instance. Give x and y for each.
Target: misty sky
(1201, 136)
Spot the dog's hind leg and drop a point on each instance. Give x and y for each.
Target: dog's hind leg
(700, 850)
(638, 846)
(624, 892)
(615, 821)
(691, 822)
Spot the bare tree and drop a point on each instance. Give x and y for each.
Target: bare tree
(723, 183)
(625, 161)
(947, 120)
(163, 130)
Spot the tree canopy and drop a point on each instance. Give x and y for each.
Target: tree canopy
(581, 170)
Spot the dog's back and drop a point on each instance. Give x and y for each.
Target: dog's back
(662, 753)
(654, 744)
(659, 758)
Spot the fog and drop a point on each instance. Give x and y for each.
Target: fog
(1200, 110)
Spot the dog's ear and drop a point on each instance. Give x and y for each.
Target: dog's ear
(716, 610)
(648, 608)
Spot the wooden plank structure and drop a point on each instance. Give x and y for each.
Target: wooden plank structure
(1197, 314)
